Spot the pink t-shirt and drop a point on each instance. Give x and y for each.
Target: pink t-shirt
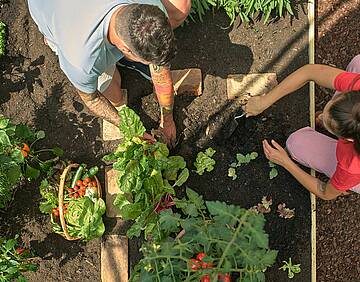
(347, 174)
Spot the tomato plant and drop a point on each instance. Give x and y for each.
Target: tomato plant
(219, 239)
(14, 260)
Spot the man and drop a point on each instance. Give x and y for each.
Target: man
(91, 36)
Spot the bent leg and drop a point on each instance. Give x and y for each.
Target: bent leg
(313, 149)
(353, 66)
(177, 11)
(109, 84)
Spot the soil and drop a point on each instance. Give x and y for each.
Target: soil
(36, 92)
(337, 221)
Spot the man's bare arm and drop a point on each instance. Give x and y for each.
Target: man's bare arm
(100, 106)
(164, 88)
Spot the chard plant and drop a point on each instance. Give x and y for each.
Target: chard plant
(240, 160)
(218, 239)
(19, 159)
(204, 161)
(147, 175)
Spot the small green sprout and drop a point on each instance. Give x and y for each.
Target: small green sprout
(273, 172)
(291, 268)
(204, 161)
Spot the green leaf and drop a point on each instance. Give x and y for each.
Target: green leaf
(195, 198)
(4, 139)
(31, 173)
(4, 122)
(169, 221)
(57, 151)
(254, 155)
(23, 132)
(132, 211)
(130, 125)
(183, 177)
(273, 173)
(40, 134)
(17, 156)
(232, 173)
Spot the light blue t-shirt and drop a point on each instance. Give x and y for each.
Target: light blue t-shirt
(78, 29)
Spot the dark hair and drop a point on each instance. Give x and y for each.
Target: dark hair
(345, 114)
(147, 32)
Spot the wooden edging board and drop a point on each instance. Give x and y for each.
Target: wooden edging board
(311, 18)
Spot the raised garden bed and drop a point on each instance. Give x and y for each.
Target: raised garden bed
(31, 80)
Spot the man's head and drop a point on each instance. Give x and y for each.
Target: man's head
(146, 32)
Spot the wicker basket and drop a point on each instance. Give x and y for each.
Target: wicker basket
(65, 233)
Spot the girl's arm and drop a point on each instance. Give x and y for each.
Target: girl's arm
(278, 155)
(321, 74)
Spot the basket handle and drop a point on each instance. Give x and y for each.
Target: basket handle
(61, 201)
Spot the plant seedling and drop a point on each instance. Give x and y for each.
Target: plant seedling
(291, 268)
(285, 212)
(241, 159)
(232, 173)
(273, 172)
(264, 206)
(204, 161)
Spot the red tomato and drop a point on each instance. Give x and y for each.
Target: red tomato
(87, 180)
(194, 264)
(79, 182)
(206, 265)
(200, 256)
(76, 195)
(20, 250)
(94, 183)
(81, 193)
(76, 188)
(26, 148)
(55, 212)
(224, 278)
(205, 278)
(24, 153)
(70, 190)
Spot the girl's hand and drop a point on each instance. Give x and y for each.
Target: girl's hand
(275, 153)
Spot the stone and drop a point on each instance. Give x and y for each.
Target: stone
(243, 86)
(114, 258)
(111, 191)
(187, 81)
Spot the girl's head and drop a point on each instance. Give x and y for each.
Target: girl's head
(341, 117)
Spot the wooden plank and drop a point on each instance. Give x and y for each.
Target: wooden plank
(111, 190)
(246, 85)
(187, 80)
(114, 258)
(111, 132)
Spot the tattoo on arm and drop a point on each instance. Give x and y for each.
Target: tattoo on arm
(100, 107)
(163, 84)
(321, 186)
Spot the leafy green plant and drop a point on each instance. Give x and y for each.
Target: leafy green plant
(240, 160)
(273, 172)
(204, 161)
(83, 208)
(14, 260)
(2, 39)
(291, 268)
(146, 174)
(18, 158)
(224, 238)
(245, 9)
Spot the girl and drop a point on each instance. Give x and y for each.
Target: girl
(338, 159)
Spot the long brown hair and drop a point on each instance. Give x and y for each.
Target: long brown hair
(344, 114)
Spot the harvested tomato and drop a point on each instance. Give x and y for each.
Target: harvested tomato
(224, 278)
(79, 183)
(70, 190)
(76, 195)
(76, 188)
(55, 212)
(94, 183)
(205, 278)
(194, 264)
(26, 148)
(87, 180)
(81, 193)
(200, 256)
(20, 250)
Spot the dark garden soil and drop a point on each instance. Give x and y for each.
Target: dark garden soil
(35, 91)
(338, 225)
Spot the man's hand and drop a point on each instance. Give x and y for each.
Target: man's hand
(256, 105)
(167, 131)
(275, 153)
